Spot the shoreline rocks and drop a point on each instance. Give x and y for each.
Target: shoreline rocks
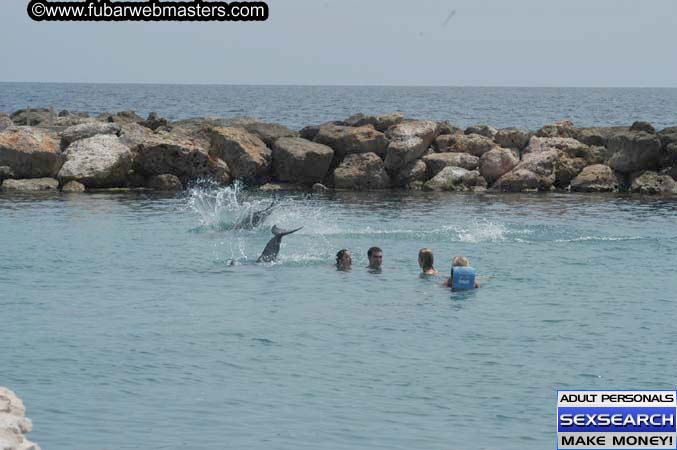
(362, 152)
(14, 425)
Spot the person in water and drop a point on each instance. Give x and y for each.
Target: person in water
(426, 260)
(463, 277)
(344, 260)
(375, 256)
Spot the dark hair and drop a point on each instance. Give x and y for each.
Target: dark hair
(373, 250)
(340, 255)
(426, 255)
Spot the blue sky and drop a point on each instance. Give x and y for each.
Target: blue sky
(367, 42)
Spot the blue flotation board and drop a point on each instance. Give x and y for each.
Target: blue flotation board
(463, 278)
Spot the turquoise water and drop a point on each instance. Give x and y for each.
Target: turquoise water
(123, 326)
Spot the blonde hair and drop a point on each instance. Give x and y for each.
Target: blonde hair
(425, 256)
(460, 261)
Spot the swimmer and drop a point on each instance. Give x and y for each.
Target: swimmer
(425, 261)
(375, 256)
(344, 260)
(463, 277)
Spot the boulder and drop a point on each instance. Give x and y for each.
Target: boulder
(165, 182)
(408, 142)
(247, 156)
(435, 162)
(497, 162)
(380, 122)
(516, 138)
(595, 178)
(474, 144)
(310, 132)
(634, 151)
(320, 188)
(270, 132)
(456, 179)
(447, 128)
(87, 130)
(652, 183)
(669, 158)
(412, 176)
(562, 128)
(536, 171)
(669, 171)
(482, 130)
(133, 135)
(33, 117)
(643, 126)
(30, 152)
(299, 160)
(361, 171)
(566, 169)
(121, 117)
(154, 121)
(14, 425)
(73, 186)
(518, 180)
(668, 136)
(31, 184)
(212, 122)
(569, 147)
(5, 122)
(346, 140)
(6, 172)
(598, 136)
(100, 161)
(181, 157)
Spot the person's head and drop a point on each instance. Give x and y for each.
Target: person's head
(459, 261)
(344, 260)
(425, 258)
(375, 256)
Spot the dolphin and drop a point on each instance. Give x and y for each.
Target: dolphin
(273, 247)
(256, 218)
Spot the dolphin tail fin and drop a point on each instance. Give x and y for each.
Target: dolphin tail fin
(279, 232)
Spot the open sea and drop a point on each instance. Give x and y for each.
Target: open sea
(124, 324)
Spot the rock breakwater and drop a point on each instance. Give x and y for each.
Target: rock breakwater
(42, 150)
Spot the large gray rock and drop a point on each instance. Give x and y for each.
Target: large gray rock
(634, 151)
(566, 169)
(153, 121)
(668, 136)
(412, 176)
(100, 161)
(456, 179)
(595, 178)
(569, 147)
(270, 132)
(447, 128)
(536, 171)
(598, 136)
(30, 152)
(301, 161)
(5, 122)
(31, 184)
(14, 425)
(643, 126)
(562, 128)
(516, 138)
(165, 182)
(346, 140)
(181, 157)
(247, 156)
(482, 130)
(435, 162)
(73, 186)
(87, 130)
(133, 135)
(33, 117)
(497, 162)
(380, 122)
(360, 172)
(473, 144)
(652, 183)
(408, 142)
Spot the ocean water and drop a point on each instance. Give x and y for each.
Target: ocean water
(298, 106)
(124, 326)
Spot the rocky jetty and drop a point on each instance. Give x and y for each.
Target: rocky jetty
(14, 425)
(41, 150)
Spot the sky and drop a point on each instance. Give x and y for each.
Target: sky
(605, 43)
